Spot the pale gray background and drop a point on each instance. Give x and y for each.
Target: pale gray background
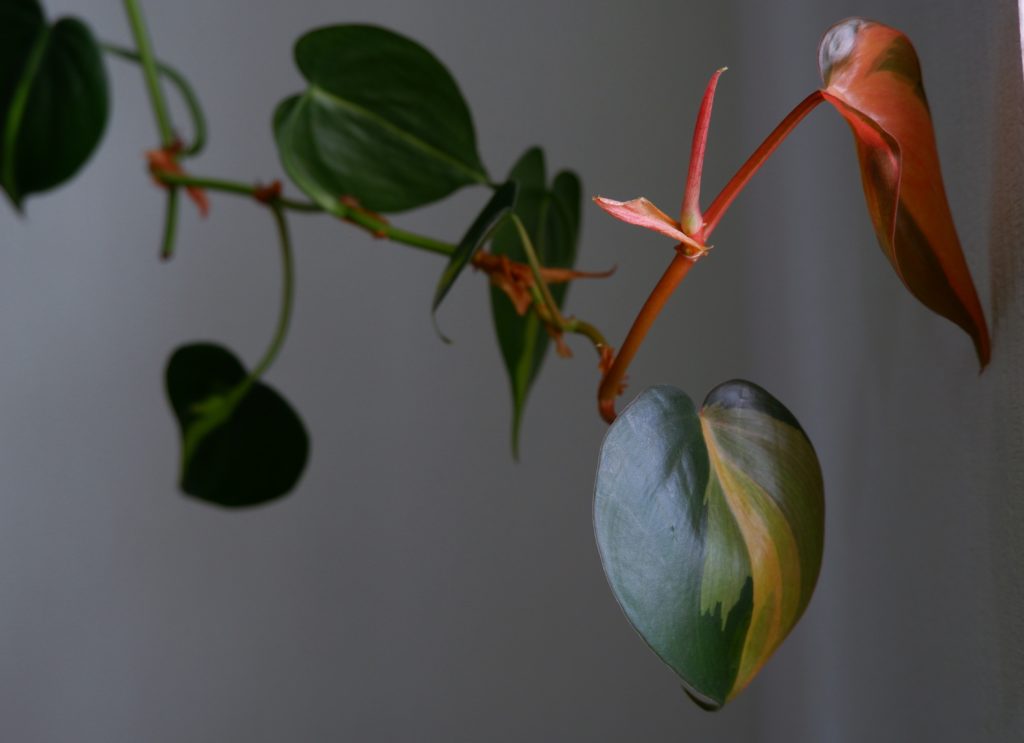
(419, 585)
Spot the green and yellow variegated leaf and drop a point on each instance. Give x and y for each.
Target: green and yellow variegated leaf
(710, 526)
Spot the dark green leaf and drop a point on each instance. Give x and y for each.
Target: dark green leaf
(494, 210)
(242, 444)
(710, 527)
(382, 121)
(21, 21)
(53, 99)
(551, 218)
(563, 227)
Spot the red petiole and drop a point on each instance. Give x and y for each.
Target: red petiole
(696, 225)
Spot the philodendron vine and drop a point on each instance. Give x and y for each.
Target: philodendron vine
(709, 520)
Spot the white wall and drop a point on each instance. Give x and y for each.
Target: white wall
(419, 585)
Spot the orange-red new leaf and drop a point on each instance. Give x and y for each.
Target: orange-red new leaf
(873, 78)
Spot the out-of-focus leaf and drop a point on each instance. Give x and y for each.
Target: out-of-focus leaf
(242, 444)
(552, 219)
(873, 78)
(710, 527)
(53, 99)
(382, 121)
(21, 21)
(495, 209)
(562, 226)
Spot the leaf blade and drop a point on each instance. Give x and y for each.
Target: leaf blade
(873, 79)
(382, 121)
(494, 210)
(709, 525)
(53, 100)
(242, 444)
(551, 217)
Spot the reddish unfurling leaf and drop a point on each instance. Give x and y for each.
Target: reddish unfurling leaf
(873, 78)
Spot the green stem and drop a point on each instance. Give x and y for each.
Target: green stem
(531, 257)
(362, 219)
(581, 327)
(148, 62)
(287, 296)
(385, 230)
(188, 95)
(544, 302)
(170, 224)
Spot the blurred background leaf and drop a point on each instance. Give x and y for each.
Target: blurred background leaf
(552, 218)
(53, 99)
(494, 210)
(242, 443)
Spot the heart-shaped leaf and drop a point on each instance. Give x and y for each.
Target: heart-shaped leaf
(552, 219)
(53, 99)
(242, 444)
(382, 121)
(873, 78)
(494, 210)
(710, 527)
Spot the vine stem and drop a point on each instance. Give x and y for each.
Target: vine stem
(149, 71)
(547, 300)
(544, 302)
(287, 294)
(170, 224)
(371, 224)
(612, 381)
(179, 81)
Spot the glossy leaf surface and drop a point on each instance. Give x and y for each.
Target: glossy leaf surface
(382, 121)
(710, 527)
(495, 209)
(242, 444)
(53, 99)
(873, 78)
(552, 220)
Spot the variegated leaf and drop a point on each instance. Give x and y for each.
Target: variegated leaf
(710, 527)
(873, 78)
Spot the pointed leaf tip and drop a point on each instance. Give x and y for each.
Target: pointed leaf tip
(873, 78)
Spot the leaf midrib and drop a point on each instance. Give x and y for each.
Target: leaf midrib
(475, 175)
